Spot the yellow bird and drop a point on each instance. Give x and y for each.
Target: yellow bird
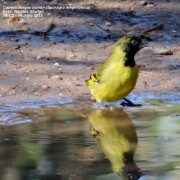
(116, 76)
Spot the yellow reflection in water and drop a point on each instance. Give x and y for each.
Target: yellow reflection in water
(116, 136)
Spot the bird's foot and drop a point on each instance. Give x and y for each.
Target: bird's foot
(129, 103)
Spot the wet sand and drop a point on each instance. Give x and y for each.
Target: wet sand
(35, 67)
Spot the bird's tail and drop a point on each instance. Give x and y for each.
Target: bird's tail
(82, 83)
(85, 83)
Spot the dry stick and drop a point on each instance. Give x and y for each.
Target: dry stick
(153, 28)
(111, 33)
(159, 26)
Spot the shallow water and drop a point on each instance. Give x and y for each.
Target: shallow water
(85, 142)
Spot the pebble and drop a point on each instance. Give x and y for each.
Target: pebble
(150, 5)
(58, 77)
(108, 23)
(56, 64)
(14, 39)
(27, 37)
(70, 56)
(143, 3)
(162, 51)
(91, 24)
(22, 21)
(49, 14)
(38, 57)
(45, 87)
(13, 92)
(146, 3)
(18, 47)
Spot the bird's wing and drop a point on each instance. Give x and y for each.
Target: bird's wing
(97, 73)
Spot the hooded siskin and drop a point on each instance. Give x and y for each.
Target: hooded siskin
(116, 76)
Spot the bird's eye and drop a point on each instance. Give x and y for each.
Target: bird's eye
(134, 42)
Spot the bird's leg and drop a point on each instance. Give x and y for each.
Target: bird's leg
(129, 103)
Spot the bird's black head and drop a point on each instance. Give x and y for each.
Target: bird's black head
(128, 46)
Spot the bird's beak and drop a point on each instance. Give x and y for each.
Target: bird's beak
(143, 37)
(145, 41)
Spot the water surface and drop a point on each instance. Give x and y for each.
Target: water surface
(82, 142)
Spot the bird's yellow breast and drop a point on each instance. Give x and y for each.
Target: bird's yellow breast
(116, 82)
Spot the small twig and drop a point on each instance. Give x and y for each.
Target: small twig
(156, 27)
(142, 33)
(110, 32)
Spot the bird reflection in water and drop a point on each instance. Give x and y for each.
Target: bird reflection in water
(116, 136)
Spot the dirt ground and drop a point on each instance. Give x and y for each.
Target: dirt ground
(35, 66)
